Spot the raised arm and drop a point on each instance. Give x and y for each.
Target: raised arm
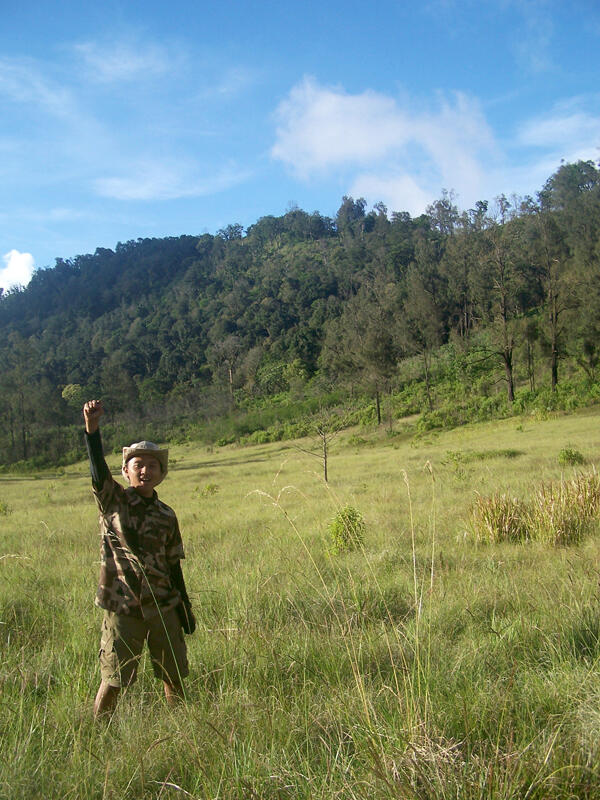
(92, 411)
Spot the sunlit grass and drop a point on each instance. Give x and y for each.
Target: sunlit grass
(422, 664)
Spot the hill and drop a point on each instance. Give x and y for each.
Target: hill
(452, 314)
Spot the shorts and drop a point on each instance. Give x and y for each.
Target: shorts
(122, 642)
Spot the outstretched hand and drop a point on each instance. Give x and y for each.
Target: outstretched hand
(92, 411)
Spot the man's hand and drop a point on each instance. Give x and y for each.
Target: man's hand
(186, 617)
(92, 411)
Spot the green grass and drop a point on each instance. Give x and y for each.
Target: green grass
(423, 664)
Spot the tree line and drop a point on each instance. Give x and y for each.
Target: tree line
(201, 325)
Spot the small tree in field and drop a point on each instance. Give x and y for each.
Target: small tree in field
(326, 426)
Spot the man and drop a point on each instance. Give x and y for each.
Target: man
(141, 587)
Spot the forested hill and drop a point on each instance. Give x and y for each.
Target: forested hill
(198, 326)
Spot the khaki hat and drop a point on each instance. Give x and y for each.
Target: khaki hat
(146, 449)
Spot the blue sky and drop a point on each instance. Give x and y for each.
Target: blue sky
(127, 119)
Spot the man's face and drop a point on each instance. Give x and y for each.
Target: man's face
(143, 473)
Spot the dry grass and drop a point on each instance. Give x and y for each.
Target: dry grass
(499, 518)
(560, 513)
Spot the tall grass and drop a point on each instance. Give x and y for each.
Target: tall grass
(559, 513)
(418, 665)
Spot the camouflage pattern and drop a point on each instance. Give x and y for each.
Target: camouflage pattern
(140, 541)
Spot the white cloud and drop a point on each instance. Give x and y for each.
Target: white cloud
(320, 127)
(18, 269)
(384, 150)
(398, 192)
(407, 155)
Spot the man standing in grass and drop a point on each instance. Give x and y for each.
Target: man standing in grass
(141, 587)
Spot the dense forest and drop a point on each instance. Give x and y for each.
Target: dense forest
(245, 333)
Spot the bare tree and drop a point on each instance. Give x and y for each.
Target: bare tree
(326, 426)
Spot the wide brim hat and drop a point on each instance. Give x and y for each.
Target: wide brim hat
(147, 449)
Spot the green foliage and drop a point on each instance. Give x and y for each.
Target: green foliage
(347, 530)
(354, 440)
(75, 395)
(233, 336)
(463, 457)
(5, 509)
(570, 457)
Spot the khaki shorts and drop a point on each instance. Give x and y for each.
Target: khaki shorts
(122, 642)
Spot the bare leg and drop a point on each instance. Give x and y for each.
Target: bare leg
(106, 699)
(173, 692)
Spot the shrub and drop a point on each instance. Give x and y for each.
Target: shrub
(347, 530)
(357, 441)
(4, 508)
(569, 457)
(209, 490)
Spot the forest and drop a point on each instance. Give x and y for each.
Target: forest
(454, 315)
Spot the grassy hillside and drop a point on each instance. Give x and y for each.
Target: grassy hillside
(459, 315)
(425, 664)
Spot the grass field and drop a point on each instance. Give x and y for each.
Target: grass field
(424, 665)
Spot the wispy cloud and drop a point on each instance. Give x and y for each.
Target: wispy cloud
(115, 62)
(568, 128)
(230, 83)
(18, 269)
(149, 180)
(23, 81)
(151, 154)
(534, 35)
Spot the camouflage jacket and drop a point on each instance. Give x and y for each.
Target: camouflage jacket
(140, 545)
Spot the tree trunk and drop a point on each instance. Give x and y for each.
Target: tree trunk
(230, 375)
(23, 427)
(427, 383)
(508, 371)
(554, 343)
(530, 366)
